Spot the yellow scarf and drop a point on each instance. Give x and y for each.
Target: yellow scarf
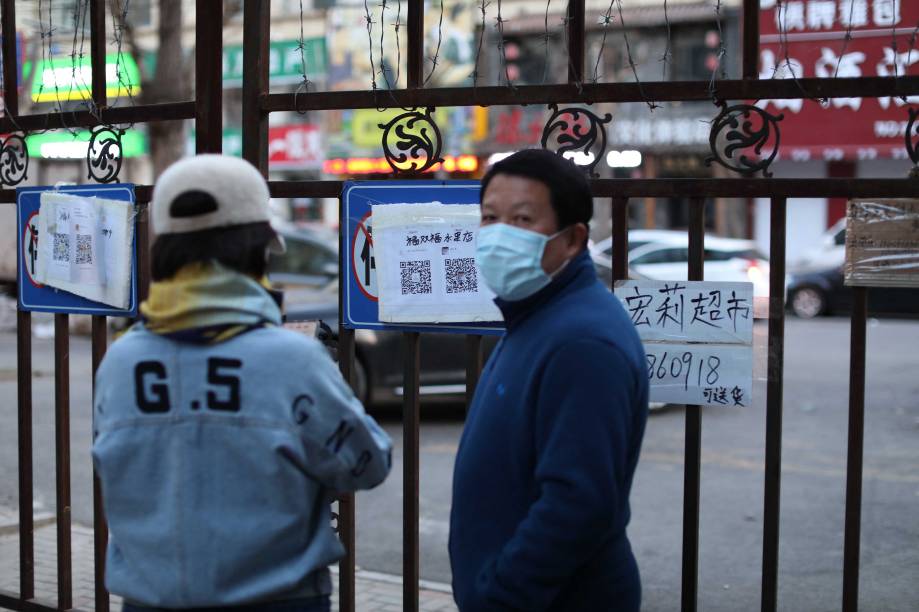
(207, 303)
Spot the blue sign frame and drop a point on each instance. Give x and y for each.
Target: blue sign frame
(41, 298)
(359, 308)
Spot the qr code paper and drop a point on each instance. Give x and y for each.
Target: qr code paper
(461, 276)
(61, 251)
(84, 249)
(416, 277)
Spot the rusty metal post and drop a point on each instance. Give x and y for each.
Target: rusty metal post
(574, 22)
(208, 76)
(774, 390)
(852, 542)
(347, 600)
(97, 51)
(256, 35)
(62, 458)
(692, 469)
(474, 362)
(415, 59)
(10, 67)
(750, 39)
(410, 471)
(620, 239)
(26, 491)
(100, 526)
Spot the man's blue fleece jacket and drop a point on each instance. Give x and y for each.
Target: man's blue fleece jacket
(545, 464)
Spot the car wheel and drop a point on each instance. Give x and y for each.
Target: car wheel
(808, 302)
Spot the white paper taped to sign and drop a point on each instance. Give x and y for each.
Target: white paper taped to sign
(698, 339)
(689, 311)
(704, 374)
(86, 247)
(425, 262)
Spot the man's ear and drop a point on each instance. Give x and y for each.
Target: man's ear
(577, 237)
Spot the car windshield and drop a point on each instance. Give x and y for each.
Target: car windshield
(633, 244)
(724, 255)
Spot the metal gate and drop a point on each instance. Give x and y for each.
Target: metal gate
(259, 102)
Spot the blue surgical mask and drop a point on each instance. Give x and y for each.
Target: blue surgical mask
(510, 260)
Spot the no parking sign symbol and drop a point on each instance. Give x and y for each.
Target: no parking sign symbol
(360, 308)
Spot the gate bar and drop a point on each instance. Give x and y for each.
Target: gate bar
(10, 69)
(100, 526)
(26, 494)
(750, 39)
(664, 188)
(410, 471)
(146, 113)
(692, 468)
(574, 17)
(474, 362)
(62, 458)
(852, 542)
(620, 239)
(208, 77)
(774, 390)
(672, 91)
(97, 52)
(415, 59)
(256, 28)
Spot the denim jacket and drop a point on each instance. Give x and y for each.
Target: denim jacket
(218, 464)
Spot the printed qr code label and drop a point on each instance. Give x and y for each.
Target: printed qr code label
(461, 275)
(61, 251)
(84, 249)
(416, 277)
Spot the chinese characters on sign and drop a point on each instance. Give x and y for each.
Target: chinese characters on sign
(698, 339)
(840, 38)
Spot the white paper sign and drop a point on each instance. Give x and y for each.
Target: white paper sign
(698, 339)
(689, 311)
(86, 247)
(425, 262)
(703, 374)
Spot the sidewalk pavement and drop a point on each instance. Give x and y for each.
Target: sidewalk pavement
(376, 592)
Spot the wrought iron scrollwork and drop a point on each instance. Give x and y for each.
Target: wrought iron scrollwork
(412, 142)
(912, 146)
(14, 160)
(744, 138)
(104, 155)
(577, 131)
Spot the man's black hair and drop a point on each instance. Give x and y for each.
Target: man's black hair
(239, 247)
(570, 192)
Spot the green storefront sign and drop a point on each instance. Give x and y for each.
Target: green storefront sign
(62, 145)
(61, 79)
(284, 65)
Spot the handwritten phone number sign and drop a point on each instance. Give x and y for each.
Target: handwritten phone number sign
(698, 339)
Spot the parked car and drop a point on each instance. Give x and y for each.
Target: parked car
(664, 255)
(309, 263)
(822, 291)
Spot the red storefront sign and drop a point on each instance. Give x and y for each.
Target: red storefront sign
(295, 147)
(808, 37)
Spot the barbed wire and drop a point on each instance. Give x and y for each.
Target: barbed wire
(483, 5)
(369, 20)
(628, 49)
(118, 27)
(545, 42)
(605, 20)
(440, 29)
(846, 39)
(667, 57)
(719, 55)
(781, 10)
(502, 47)
(301, 47)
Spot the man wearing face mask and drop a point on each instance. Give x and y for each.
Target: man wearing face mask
(544, 468)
